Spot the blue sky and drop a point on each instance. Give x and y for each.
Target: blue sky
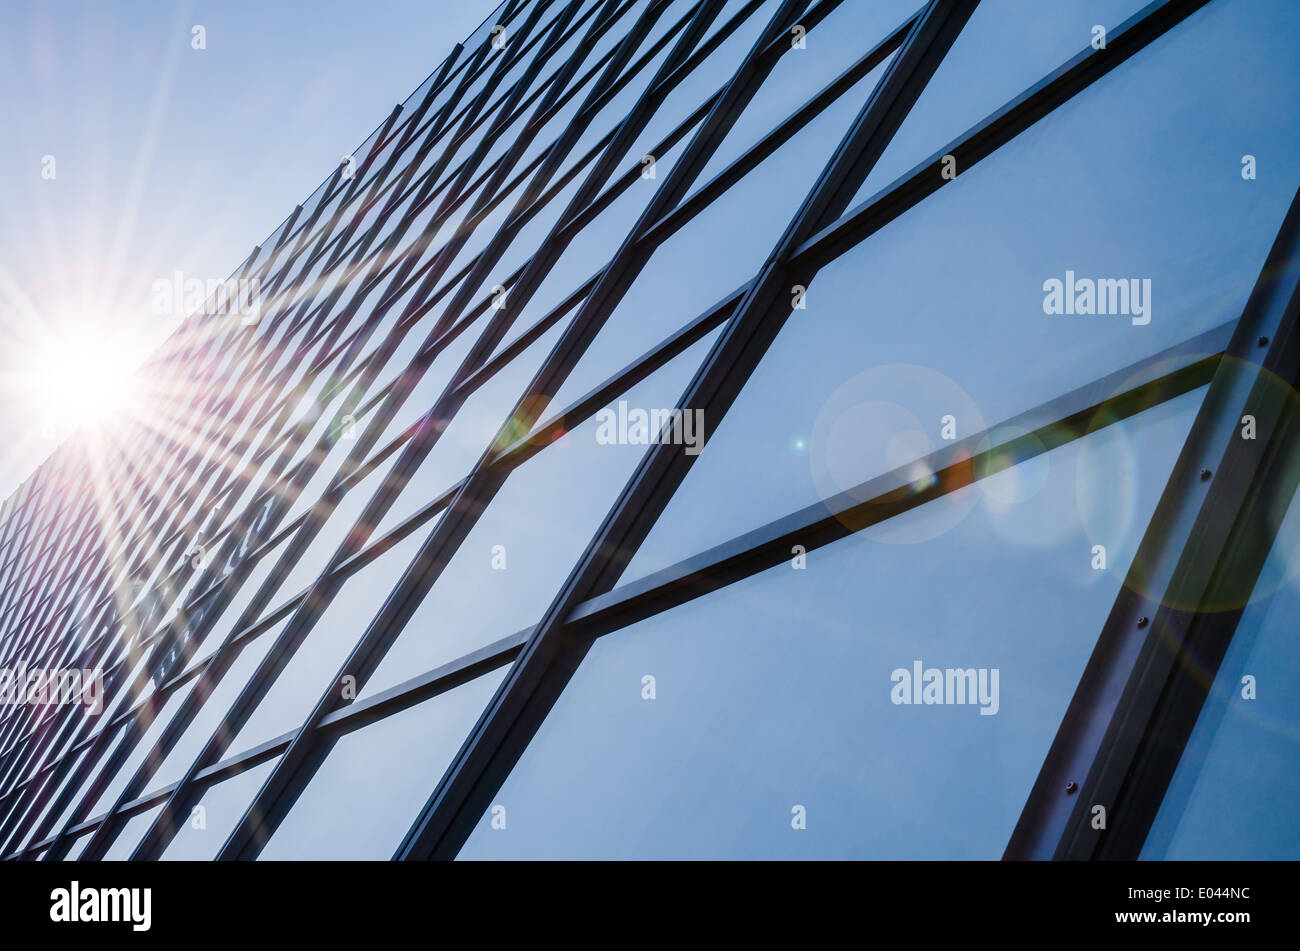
(167, 157)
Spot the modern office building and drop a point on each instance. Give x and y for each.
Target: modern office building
(702, 429)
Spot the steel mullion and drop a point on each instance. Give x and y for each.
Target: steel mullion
(1140, 696)
(1064, 419)
(384, 628)
(301, 538)
(285, 775)
(994, 131)
(297, 628)
(553, 654)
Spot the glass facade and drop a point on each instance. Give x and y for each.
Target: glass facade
(737, 429)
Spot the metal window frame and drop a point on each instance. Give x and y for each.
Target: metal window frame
(1137, 685)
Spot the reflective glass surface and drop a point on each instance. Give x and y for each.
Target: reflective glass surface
(787, 715)
(397, 761)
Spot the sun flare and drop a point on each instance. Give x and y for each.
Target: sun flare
(79, 383)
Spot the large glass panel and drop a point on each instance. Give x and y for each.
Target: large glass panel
(396, 762)
(214, 708)
(1005, 47)
(523, 546)
(1233, 795)
(783, 716)
(847, 34)
(224, 804)
(919, 322)
(129, 836)
(328, 644)
(710, 256)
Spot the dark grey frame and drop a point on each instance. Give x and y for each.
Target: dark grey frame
(1132, 712)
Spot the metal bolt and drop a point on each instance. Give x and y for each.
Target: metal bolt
(1142, 622)
(1205, 475)
(1071, 786)
(1263, 341)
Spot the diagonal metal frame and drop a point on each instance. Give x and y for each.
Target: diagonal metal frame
(310, 608)
(260, 816)
(231, 585)
(1144, 688)
(103, 836)
(552, 655)
(1262, 475)
(1064, 419)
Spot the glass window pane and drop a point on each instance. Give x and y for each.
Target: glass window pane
(129, 836)
(710, 257)
(1005, 47)
(223, 806)
(920, 322)
(327, 646)
(372, 786)
(214, 708)
(526, 542)
(831, 47)
(780, 697)
(706, 78)
(1205, 70)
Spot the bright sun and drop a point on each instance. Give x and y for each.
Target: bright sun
(80, 383)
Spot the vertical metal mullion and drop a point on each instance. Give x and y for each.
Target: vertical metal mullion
(1140, 695)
